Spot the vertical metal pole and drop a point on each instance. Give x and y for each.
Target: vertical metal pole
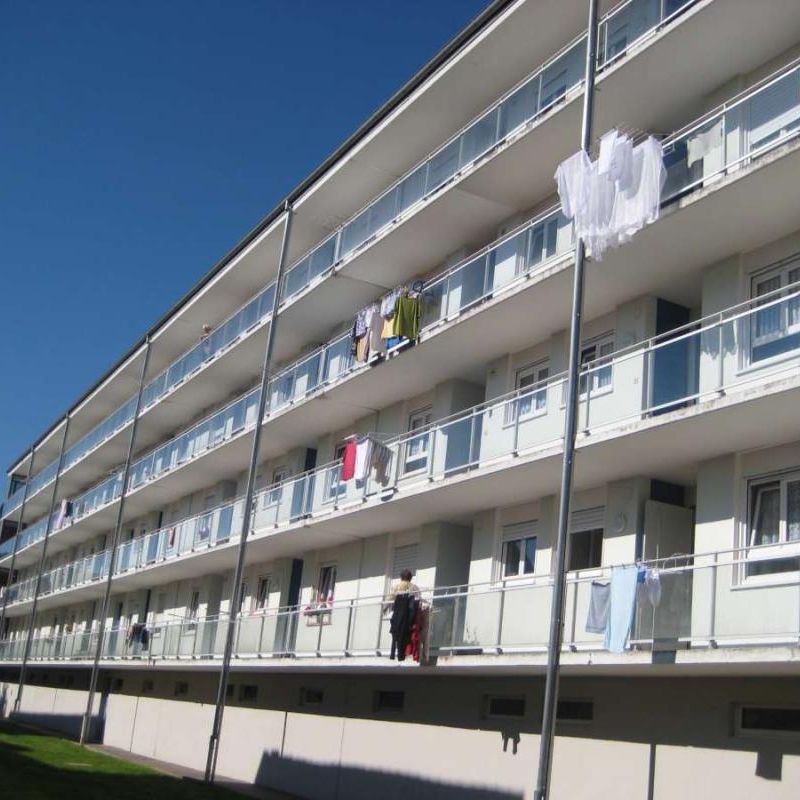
(29, 639)
(87, 716)
(542, 791)
(216, 729)
(15, 546)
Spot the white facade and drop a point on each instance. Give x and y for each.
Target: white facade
(688, 456)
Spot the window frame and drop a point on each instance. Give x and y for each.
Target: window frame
(274, 492)
(540, 372)
(508, 536)
(784, 548)
(603, 347)
(261, 604)
(425, 416)
(783, 273)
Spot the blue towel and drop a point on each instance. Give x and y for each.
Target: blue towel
(620, 613)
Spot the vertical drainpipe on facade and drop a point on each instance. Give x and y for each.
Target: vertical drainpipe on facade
(16, 541)
(542, 791)
(216, 729)
(29, 640)
(87, 716)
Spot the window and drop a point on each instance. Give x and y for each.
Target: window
(586, 538)
(335, 486)
(389, 701)
(273, 496)
(242, 595)
(532, 402)
(405, 557)
(116, 685)
(248, 693)
(503, 707)
(311, 697)
(229, 690)
(774, 520)
(262, 593)
(775, 720)
(326, 583)
(575, 711)
(776, 328)
(586, 549)
(416, 455)
(519, 549)
(597, 353)
(181, 689)
(147, 686)
(194, 606)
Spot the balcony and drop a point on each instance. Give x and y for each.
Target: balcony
(622, 31)
(706, 158)
(702, 619)
(640, 411)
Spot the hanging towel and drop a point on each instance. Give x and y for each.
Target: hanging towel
(363, 459)
(381, 458)
(349, 460)
(375, 330)
(407, 317)
(597, 618)
(620, 612)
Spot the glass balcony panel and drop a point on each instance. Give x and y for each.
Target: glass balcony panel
(519, 107)
(480, 137)
(443, 166)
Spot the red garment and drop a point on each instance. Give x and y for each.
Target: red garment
(349, 460)
(414, 646)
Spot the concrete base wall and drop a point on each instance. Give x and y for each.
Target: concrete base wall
(649, 738)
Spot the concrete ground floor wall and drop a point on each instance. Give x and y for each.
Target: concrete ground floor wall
(329, 737)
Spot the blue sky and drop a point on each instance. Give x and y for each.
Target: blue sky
(141, 140)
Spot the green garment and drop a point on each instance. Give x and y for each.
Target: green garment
(406, 317)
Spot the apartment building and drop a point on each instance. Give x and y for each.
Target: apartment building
(688, 452)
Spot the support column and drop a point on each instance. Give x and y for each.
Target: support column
(27, 652)
(213, 743)
(87, 716)
(16, 540)
(542, 791)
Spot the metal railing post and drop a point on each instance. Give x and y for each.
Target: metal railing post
(48, 529)
(15, 546)
(216, 727)
(87, 717)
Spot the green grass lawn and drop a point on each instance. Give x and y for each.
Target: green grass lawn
(36, 766)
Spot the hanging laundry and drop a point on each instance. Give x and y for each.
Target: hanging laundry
(64, 513)
(375, 322)
(407, 317)
(381, 458)
(621, 605)
(363, 459)
(349, 460)
(614, 197)
(403, 612)
(652, 587)
(362, 349)
(597, 618)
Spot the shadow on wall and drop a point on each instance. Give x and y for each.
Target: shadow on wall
(68, 724)
(332, 782)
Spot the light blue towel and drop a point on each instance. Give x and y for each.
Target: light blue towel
(620, 613)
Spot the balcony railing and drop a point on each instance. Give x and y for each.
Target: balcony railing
(701, 606)
(622, 28)
(741, 347)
